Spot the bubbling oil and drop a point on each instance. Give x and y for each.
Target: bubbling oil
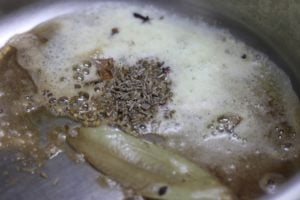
(236, 111)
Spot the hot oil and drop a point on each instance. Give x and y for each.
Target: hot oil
(235, 110)
(27, 130)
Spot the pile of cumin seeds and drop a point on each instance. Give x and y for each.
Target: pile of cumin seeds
(126, 96)
(132, 95)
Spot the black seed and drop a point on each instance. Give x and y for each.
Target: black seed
(143, 18)
(162, 190)
(244, 56)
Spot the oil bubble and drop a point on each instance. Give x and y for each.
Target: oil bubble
(86, 71)
(97, 89)
(84, 107)
(270, 182)
(52, 100)
(78, 77)
(87, 63)
(29, 108)
(73, 132)
(287, 146)
(79, 158)
(83, 96)
(76, 68)
(61, 137)
(63, 101)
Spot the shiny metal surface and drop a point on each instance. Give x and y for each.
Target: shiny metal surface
(270, 25)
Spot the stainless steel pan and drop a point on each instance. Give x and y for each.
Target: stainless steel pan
(270, 25)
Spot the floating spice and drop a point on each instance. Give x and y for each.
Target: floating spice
(105, 68)
(144, 19)
(114, 31)
(125, 96)
(134, 94)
